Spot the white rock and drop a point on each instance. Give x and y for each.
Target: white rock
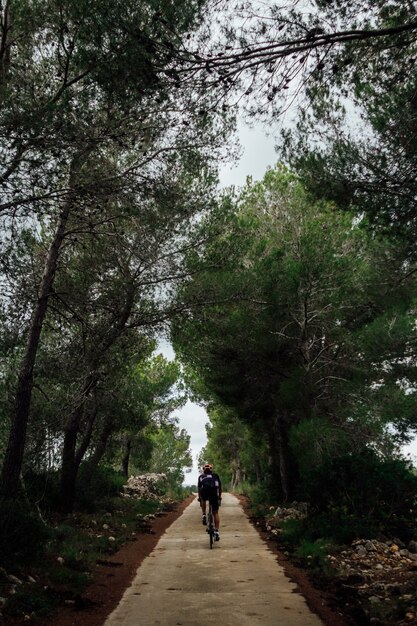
(144, 486)
(13, 579)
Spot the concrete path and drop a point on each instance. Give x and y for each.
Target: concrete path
(237, 583)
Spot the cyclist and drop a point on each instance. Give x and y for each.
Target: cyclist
(210, 488)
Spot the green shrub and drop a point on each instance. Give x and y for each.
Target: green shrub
(314, 554)
(292, 531)
(43, 489)
(62, 532)
(260, 497)
(143, 507)
(95, 489)
(335, 527)
(242, 488)
(180, 492)
(314, 440)
(74, 559)
(361, 495)
(339, 526)
(73, 578)
(33, 599)
(22, 533)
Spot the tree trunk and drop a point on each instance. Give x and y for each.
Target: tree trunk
(100, 448)
(287, 465)
(237, 477)
(71, 458)
(258, 472)
(5, 44)
(69, 466)
(83, 447)
(102, 442)
(273, 463)
(126, 457)
(13, 458)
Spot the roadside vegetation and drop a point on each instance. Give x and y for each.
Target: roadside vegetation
(48, 564)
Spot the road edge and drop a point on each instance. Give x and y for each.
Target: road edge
(316, 600)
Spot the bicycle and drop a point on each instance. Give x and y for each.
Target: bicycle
(210, 525)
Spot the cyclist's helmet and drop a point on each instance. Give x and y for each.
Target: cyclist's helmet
(207, 467)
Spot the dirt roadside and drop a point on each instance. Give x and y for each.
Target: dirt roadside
(111, 579)
(318, 601)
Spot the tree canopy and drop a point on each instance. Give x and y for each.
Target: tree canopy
(298, 330)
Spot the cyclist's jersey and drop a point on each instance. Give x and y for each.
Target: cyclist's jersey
(209, 485)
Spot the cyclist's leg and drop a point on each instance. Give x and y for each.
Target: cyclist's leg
(215, 506)
(214, 499)
(203, 505)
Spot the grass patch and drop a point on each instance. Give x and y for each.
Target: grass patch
(33, 600)
(69, 577)
(314, 554)
(292, 532)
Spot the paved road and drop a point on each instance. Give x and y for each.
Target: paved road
(238, 583)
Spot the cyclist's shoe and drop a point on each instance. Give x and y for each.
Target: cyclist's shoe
(204, 519)
(216, 535)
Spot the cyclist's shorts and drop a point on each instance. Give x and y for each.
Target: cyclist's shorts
(212, 496)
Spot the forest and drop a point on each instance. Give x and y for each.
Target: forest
(290, 302)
